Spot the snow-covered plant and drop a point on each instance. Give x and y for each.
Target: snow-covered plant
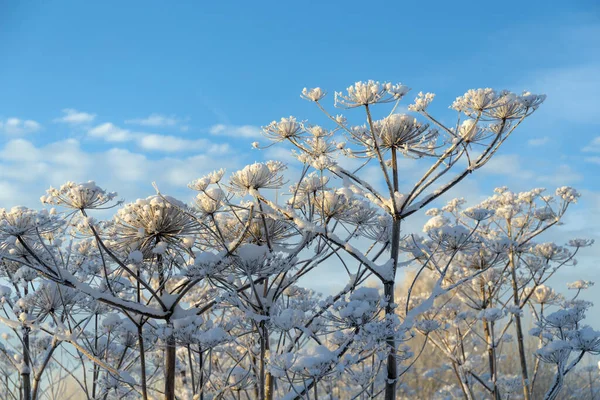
(373, 205)
(510, 275)
(205, 300)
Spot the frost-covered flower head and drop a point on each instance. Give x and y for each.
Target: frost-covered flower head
(332, 204)
(476, 100)
(311, 184)
(426, 326)
(210, 201)
(491, 314)
(78, 196)
(51, 300)
(470, 131)
(404, 133)
(555, 352)
(511, 385)
(544, 214)
(490, 104)
(322, 162)
(264, 229)
(319, 146)
(315, 362)
(507, 107)
(361, 306)
(455, 237)
(380, 229)
(436, 222)
(586, 339)
(563, 319)
(530, 100)
(313, 94)
(153, 224)
(421, 102)
(23, 221)
(360, 213)
(580, 285)
(568, 194)
(580, 242)
(551, 252)
(202, 183)
(252, 259)
(543, 294)
(370, 92)
(454, 205)
(257, 176)
(286, 128)
(25, 275)
(478, 214)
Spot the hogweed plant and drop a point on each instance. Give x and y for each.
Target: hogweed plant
(486, 118)
(205, 300)
(477, 321)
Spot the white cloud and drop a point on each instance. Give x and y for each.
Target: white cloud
(75, 117)
(110, 133)
(593, 160)
(580, 82)
(507, 164)
(27, 170)
(154, 120)
(155, 142)
(244, 131)
(17, 127)
(538, 141)
(563, 175)
(594, 146)
(166, 143)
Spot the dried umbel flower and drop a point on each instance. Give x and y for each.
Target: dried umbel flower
(551, 252)
(579, 242)
(406, 134)
(568, 194)
(210, 201)
(426, 326)
(251, 259)
(478, 214)
(331, 204)
(320, 146)
(370, 92)
(286, 128)
(379, 230)
(264, 229)
(491, 314)
(555, 352)
(257, 176)
(151, 222)
(469, 131)
(314, 94)
(544, 295)
(202, 183)
(311, 184)
(360, 213)
(362, 306)
(79, 196)
(476, 100)
(503, 105)
(422, 102)
(51, 300)
(453, 237)
(580, 285)
(586, 339)
(23, 221)
(530, 100)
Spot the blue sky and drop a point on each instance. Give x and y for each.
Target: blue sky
(167, 91)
